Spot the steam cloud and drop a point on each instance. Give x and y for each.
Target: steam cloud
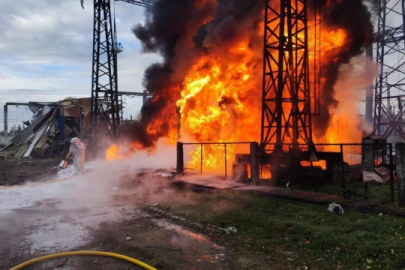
(183, 30)
(355, 19)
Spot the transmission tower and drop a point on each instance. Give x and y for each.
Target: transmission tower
(390, 84)
(286, 104)
(105, 105)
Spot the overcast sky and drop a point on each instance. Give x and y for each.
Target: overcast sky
(46, 52)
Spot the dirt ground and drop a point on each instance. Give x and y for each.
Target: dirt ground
(110, 208)
(18, 171)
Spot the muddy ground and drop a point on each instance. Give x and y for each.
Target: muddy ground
(18, 171)
(112, 208)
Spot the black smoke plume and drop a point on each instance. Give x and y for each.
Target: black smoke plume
(166, 24)
(182, 30)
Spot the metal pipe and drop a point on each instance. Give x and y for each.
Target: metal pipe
(217, 143)
(343, 172)
(5, 121)
(226, 166)
(180, 159)
(391, 174)
(255, 169)
(145, 97)
(201, 159)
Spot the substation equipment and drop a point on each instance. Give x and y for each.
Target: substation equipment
(389, 87)
(290, 97)
(286, 83)
(106, 100)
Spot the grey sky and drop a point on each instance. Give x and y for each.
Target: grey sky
(46, 52)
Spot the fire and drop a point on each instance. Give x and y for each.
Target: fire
(115, 152)
(332, 39)
(121, 151)
(216, 104)
(219, 98)
(320, 163)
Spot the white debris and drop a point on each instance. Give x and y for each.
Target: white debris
(231, 230)
(227, 230)
(128, 238)
(168, 175)
(335, 208)
(66, 173)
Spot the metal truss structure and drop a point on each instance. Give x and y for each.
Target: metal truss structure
(389, 95)
(106, 104)
(286, 104)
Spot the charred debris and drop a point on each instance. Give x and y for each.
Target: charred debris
(48, 134)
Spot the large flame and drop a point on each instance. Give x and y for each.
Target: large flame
(219, 103)
(115, 152)
(220, 97)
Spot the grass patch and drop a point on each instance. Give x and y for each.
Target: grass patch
(289, 233)
(371, 190)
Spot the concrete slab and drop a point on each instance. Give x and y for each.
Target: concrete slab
(215, 183)
(293, 193)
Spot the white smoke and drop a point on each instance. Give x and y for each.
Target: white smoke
(348, 117)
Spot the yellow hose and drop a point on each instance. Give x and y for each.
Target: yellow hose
(84, 252)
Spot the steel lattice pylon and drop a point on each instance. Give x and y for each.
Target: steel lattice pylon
(106, 107)
(390, 84)
(286, 112)
(105, 116)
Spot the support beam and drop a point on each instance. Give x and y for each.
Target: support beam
(400, 162)
(5, 121)
(369, 91)
(143, 94)
(145, 97)
(180, 159)
(390, 55)
(254, 163)
(105, 111)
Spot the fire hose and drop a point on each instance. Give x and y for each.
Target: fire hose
(81, 253)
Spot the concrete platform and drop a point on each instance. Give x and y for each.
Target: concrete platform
(207, 182)
(217, 183)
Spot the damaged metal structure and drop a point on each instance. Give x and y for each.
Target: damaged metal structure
(53, 124)
(289, 97)
(286, 154)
